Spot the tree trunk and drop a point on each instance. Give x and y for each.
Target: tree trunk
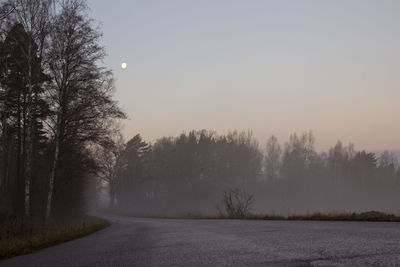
(52, 176)
(28, 147)
(20, 190)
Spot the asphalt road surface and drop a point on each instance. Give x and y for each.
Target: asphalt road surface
(174, 242)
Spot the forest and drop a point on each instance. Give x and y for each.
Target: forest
(56, 104)
(201, 172)
(60, 144)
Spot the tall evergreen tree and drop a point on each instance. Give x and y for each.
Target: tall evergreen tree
(23, 111)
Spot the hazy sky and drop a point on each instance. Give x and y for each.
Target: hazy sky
(275, 67)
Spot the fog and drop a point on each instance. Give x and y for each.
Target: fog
(268, 66)
(193, 173)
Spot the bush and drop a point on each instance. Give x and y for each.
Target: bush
(237, 203)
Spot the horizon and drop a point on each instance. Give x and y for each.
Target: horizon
(262, 143)
(274, 67)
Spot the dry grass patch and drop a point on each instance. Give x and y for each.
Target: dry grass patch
(13, 243)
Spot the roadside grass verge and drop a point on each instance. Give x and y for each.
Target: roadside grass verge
(370, 216)
(13, 244)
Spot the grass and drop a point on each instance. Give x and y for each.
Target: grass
(13, 244)
(371, 216)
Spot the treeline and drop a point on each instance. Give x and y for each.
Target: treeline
(192, 172)
(55, 105)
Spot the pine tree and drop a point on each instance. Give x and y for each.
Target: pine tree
(23, 112)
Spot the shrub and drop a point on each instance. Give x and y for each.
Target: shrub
(237, 203)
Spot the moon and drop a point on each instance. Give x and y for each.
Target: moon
(124, 65)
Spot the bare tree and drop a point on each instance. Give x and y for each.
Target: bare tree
(338, 163)
(272, 158)
(111, 161)
(237, 203)
(5, 10)
(81, 92)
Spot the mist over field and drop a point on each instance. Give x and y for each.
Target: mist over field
(196, 171)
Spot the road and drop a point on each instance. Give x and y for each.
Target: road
(164, 242)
